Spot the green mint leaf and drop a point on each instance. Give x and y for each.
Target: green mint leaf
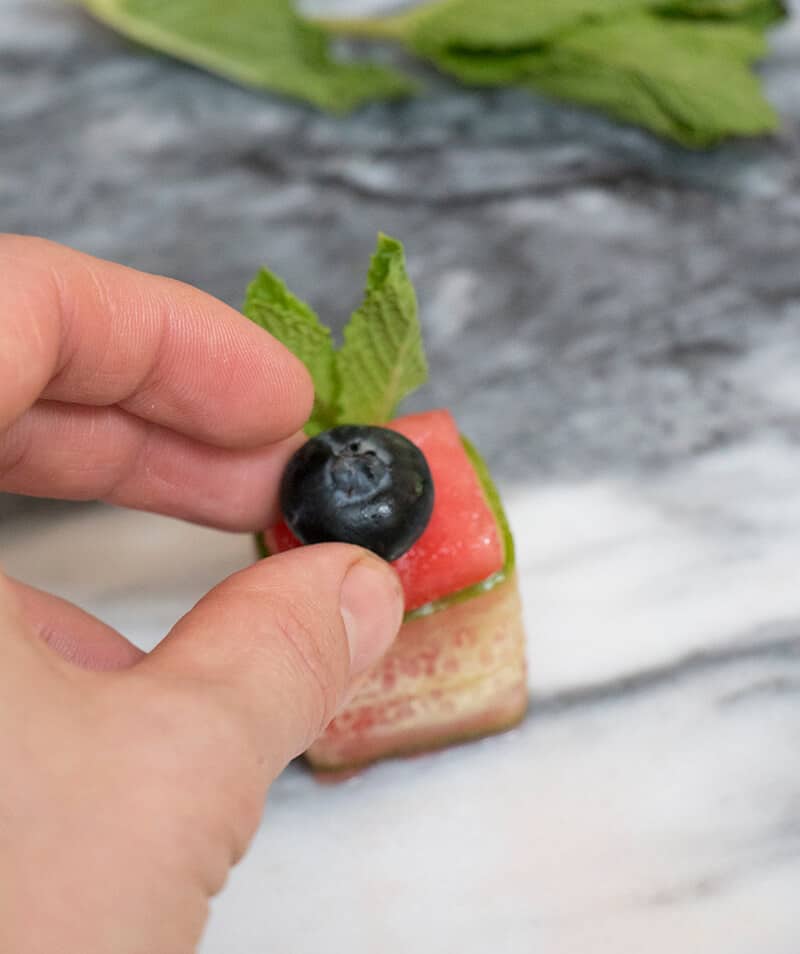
(261, 43)
(534, 43)
(683, 79)
(382, 359)
(677, 67)
(272, 306)
(513, 25)
(688, 81)
(492, 68)
(756, 13)
(521, 25)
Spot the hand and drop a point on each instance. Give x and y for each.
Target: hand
(132, 783)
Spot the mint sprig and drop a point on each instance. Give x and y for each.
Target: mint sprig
(502, 25)
(270, 304)
(680, 68)
(261, 43)
(690, 82)
(675, 67)
(382, 359)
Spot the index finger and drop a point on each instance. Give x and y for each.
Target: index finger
(82, 330)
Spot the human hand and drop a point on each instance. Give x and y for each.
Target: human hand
(131, 783)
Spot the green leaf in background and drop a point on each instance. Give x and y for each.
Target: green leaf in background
(272, 306)
(677, 67)
(261, 43)
(690, 82)
(489, 67)
(522, 25)
(680, 68)
(687, 81)
(513, 25)
(756, 13)
(382, 359)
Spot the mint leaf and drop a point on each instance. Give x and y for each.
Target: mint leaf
(554, 46)
(272, 306)
(513, 25)
(262, 43)
(676, 67)
(521, 25)
(382, 359)
(691, 82)
(756, 13)
(683, 79)
(491, 68)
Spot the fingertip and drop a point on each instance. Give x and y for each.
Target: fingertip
(287, 637)
(372, 606)
(91, 332)
(295, 388)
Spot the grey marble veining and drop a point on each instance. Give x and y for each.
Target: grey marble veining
(616, 322)
(652, 822)
(603, 284)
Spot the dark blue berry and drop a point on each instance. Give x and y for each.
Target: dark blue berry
(358, 484)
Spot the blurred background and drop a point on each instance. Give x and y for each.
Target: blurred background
(604, 281)
(615, 321)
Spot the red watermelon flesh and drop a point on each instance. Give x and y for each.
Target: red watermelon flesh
(461, 545)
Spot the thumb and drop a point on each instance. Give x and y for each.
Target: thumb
(281, 642)
(134, 791)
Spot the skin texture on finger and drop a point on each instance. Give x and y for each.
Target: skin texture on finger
(75, 635)
(135, 791)
(275, 642)
(19, 650)
(84, 819)
(89, 453)
(79, 329)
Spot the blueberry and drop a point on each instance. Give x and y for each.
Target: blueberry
(358, 484)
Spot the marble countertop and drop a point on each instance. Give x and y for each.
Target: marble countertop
(616, 323)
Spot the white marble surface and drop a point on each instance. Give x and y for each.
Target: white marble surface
(650, 801)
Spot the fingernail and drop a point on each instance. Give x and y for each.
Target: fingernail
(371, 604)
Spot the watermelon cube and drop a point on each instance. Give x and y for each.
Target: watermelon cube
(457, 668)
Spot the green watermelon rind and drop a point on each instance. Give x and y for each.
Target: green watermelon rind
(509, 561)
(261, 546)
(476, 589)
